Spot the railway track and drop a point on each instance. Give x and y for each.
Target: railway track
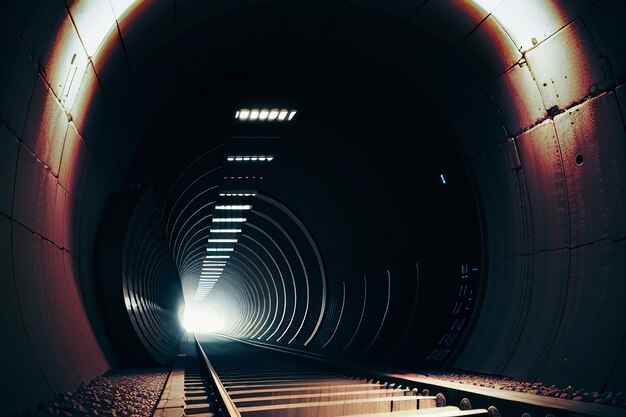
(225, 377)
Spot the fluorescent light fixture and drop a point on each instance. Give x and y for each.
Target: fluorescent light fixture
(220, 249)
(234, 207)
(248, 158)
(264, 114)
(217, 256)
(228, 219)
(222, 240)
(212, 269)
(225, 230)
(237, 194)
(443, 180)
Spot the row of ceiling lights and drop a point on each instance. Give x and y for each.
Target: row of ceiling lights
(214, 263)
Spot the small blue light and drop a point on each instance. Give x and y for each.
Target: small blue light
(443, 180)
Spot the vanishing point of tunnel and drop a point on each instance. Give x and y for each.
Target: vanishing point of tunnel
(422, 196)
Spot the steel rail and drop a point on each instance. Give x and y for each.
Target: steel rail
(227, 405)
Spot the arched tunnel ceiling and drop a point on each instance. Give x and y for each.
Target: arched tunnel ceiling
(350, 184)
(530, 93)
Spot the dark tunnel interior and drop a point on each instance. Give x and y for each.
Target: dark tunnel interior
(412, 185)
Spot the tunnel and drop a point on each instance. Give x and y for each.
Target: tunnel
(419, 185)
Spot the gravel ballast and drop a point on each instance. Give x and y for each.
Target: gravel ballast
(119, 393)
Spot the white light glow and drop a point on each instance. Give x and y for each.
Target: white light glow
(254, 114)
(291, 114)
(222, 240)
(217, 256)
(220, 249)
(282, 115)
(225, 230)
(121, 6)
(234, 207)
(229, 219)
(212, 269)
(203, 319)
(488, 5)
(93, 23)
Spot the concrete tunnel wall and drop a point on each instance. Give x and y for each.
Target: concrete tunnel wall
(545, 86)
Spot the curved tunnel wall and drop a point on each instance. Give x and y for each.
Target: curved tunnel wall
(137, 284)
(546, 92)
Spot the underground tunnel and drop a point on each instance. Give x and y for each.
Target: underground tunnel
(371, 207)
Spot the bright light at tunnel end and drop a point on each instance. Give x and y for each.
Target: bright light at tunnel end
(202, 319)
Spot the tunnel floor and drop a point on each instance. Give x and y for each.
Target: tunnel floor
(271, 382)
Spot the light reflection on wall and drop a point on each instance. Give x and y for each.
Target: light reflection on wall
(527, 22)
